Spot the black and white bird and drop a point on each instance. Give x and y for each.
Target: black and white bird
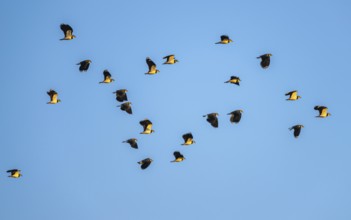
(212, 119)
(178, 157)
(133, 142)
(293, 96)
(121, 95)
(107, 77)
(297, 130)
(53, 97)
(145, 163)
(147, 126)
(224, 40)
(15, 173)
(67, 31)
(188, 139)
(170, 59)
(234, 80)
(152, 67)
(265, 60)
(235, 116)
(323, 111)
(84, 65)
(126, 106)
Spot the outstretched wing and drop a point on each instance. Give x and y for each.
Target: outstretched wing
(151, 65)
(67, 30)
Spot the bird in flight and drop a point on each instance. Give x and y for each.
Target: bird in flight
(67, 31)
(178, 157)
(323, 111)
(147, 126)
(133, 142)
(121, 95)
(53, 97)
(234, 80)
(84, 65)
(107, 77)
(265, 60)
(152, 67)
(15, 173)
(188, 139)
(145, 163)
(297, 130)
(212, 119)
(127, 106)
(293, 96)
(235, 116)
(170, 59)
(224, 40)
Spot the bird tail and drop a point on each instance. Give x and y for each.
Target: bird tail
(226, 81)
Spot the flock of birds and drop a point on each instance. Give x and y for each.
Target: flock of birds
(212, 118)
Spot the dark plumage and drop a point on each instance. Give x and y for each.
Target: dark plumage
(84, 65)
(107, 77)
(265, 60)
(147, 126)
(15, 173)
(152, 67)
(145, 163)
(178, 157)
(53, 97)
(224, 40)
(67, 31)
(127, 106)
(170, 59)
(212, 119)
(297, 130)
(121, 95)
(235, 116)
(323, 111)
(234, 80)
(133, 142)
(188, 139)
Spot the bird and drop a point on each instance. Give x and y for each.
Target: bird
(188, 139)
(265, 60)
(133, 142)
(234, 80)
(107, 77)
(170, 59)
(53, 97)
(15, 173)
(212, 119)
(323, 111)
(147, 125)
(152, 67)
(178, 157)
(121, 95)
(235, 116)
(297, 130)
(67, 31)
(293, 96)
(224, 40)
(127, 106)
(84, 65)
(145, 163)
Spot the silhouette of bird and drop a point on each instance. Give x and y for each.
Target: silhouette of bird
(224, 40)
(323, 111)
(147, 125)
(107, 77)
(127, 106)
(152, 67)
(84, 65)
(53, 97)
(293, 96)
(265, 60)
(121, 95)
(133, 142)
(178, 157)
(188, 139)
(67, 31)
(234, 80)
(145, 163)
(297, 130)
(235, 116)
(170, 59)
(15, 173)
(212, 119)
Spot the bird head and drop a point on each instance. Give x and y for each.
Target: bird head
(328, 114)
(58, 100)
(157, 71)
(89, 61)
(299, 97)
(73, 36)
(152, 131)
(230, 40)
(269, 55)
(176, 61)
(302, 126)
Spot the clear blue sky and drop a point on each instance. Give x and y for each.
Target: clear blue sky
(73, 162)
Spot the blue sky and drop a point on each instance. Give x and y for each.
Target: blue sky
(73, 162)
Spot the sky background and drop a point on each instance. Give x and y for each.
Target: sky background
(73, 162)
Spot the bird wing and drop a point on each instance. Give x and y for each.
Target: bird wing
(236, 117)
(266, 60)
(213, 120)
(297, 130)
(107, 74)
(177, 154)
(323, 111)
(147, 125)
(145, 163)
(67, 30)
(151, 64)
(224, 37)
